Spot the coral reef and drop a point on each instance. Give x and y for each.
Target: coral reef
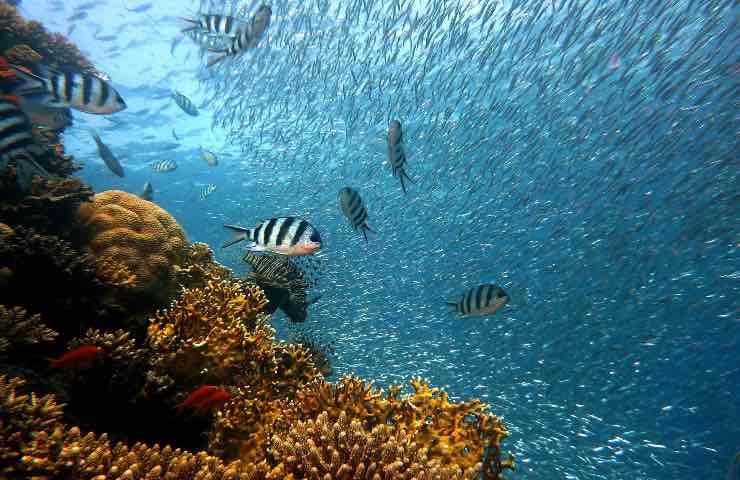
(344, 450)
(198, 267)
(122, 228)
(48, 276)
(212, 333)
(26, 41)
(18, 329)
(35, 443)
(49, 207)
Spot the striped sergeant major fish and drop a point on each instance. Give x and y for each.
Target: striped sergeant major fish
(17, 144)
(290, 236)
(480, 301)
(185, 104)
(164, 166)
(110, 160)
(396, 155)
(81, 91)
(247, 38)
(207, 190)
(354, 209)
(215, 24)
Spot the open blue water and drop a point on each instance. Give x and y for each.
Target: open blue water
(581, 154)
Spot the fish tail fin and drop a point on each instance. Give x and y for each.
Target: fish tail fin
(451, 306)
(403, 185)
(364, 234)
(216, 59)
(366, 228)
(240, 234)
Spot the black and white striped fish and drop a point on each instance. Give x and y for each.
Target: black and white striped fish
(164, 166)
(207, 190)
(354, 209)
(396, 155)
(17, 145)
(105, 153)
(247, 38)
(215, 24)
(480, 301)
(185, 104)
(290, 236)
(81, 91)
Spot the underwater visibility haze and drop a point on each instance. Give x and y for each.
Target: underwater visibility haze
(531, 203)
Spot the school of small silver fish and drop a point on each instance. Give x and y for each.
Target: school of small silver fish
(568, 167)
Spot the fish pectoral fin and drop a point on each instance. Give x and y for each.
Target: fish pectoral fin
(253, 247)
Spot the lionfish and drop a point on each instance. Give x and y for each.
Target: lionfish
(285, 281)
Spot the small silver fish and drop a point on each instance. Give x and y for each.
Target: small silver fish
(285, 236)
(81, 91)
(354, 209)
(148, 192)
(396, 155)
(164, 166)
(480, 301)
(206, 191)
(185, 104)
(105, 153)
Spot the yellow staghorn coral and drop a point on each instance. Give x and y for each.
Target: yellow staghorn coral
(454, 433)
(123, 228)
(53, 48)
(34, 443)
(345, 450)
(16, 328)
(118, 345)
(217, 329)
(199, 267)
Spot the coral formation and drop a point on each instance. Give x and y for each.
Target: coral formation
(20, 36)
(198, 267)
(49, 207)
(344, 449)
(35, 443)
(215, 331)
(122, 228)
(16, 328)
(50, 277)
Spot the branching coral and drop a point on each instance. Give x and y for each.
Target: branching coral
(35, 443)
(198, 267)
(53, 48)
(52, 278)
(344, 450)
(217, 330)
(16, 328)
(49, 207)
(122, 228)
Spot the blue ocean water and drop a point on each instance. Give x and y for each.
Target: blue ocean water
(581, 154)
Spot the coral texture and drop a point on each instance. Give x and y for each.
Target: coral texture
(49, 207)
(198, 267)
(16, 328)
(122, 228)
(34, 443)
(50, 277)
(344, 450)
(53, 48)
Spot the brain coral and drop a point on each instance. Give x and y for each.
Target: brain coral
(122, 228)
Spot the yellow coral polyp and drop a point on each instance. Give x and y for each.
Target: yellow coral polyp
(123, 229)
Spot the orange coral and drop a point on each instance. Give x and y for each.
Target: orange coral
(123, 228)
